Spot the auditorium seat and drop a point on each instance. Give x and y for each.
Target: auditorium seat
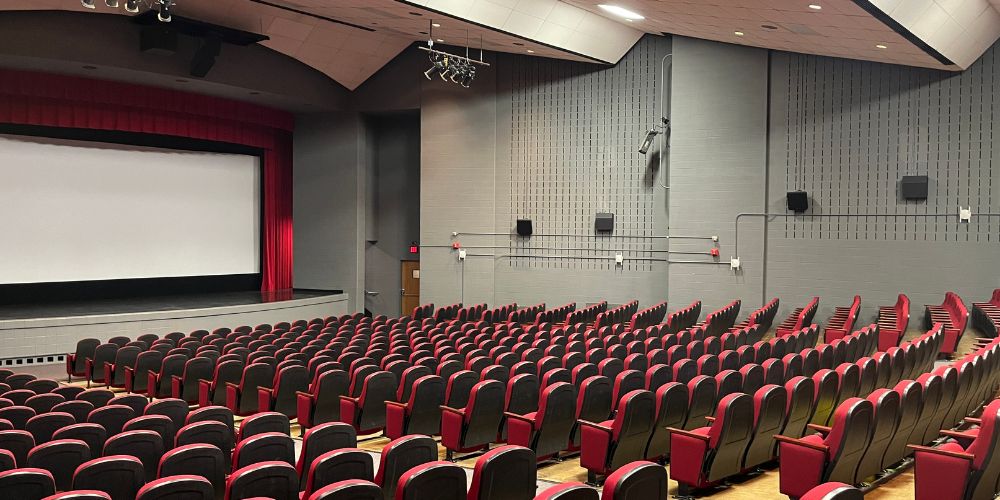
(833, 491)
(826, 387)
(593, 404)
(707, 455)
(94, 368)
(111, 417)
(910, 401)
(474, 427)
(158, 382)
(208, 432)
(569, 491)
(114, 372)
(547, 431)
(809, 461)
(288, 382)
(242, 398)
(43, 426)
(27, 483)
(60, 457)
(147, 446)
(636, 481)
(892, 323)
(769, 416)
(262, 447)
(321, 404)
(439, 480)
(213, 391)
(884, 425)
(18, 416)
(271, 479)
(120, 476)
(702, 398)
(841, 323)
(366, 412)
(953, 315)
(262, 422)
(188, 487)
(76, 362)
(348, 490)
(671, 411)
(953, 471)
(174, 409)
(504, 473)
(401, 455)
(420, 413)
(321, 439)
(197, 459)
(608, 445)
(19, 443)
(96, 397)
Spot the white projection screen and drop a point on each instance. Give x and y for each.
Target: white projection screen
(82, 211)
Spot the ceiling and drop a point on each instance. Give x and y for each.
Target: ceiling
(349, 40)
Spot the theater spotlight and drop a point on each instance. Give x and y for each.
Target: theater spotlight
(111, 3)
(451, 67)
(164, 14)
(438, 62)
(88, 3)
(132, 6)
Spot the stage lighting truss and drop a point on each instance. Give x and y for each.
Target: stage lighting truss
(162, 7)
(460, 70)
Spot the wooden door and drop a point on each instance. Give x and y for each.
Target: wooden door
(410, 280)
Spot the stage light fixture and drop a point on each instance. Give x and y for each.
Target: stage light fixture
(132, 6)
(88, 3)
(111, 3)
(164, 14)
(450, 67)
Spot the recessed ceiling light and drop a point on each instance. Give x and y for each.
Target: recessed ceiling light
(815, 6)
(531, 51)
(440, 40)
(621, 12)
(436, 25)
(738, 33)
(880, 46)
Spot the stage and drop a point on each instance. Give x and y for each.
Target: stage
(48, 331)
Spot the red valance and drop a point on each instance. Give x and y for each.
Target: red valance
(32, 98)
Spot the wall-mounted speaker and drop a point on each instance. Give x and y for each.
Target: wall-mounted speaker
(604, 223)
(913, 187)
(524, 227)
(798, 201)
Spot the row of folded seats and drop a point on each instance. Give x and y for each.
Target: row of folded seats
(618, 315)
(763, 317)
(649, 316)
(525, 315)
(953, 314)
(842, 321)
(587, 315)
(893, 321)
(868, 436)
(556, 315)
(986, 315)
(721, 321)
(682, 319)
(798, 318)
(742, 434)
(499, 314)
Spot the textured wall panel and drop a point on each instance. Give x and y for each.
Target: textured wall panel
(852, 129)
(574, 132)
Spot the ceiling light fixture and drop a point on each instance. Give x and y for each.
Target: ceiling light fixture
(622, 12)
(87, 3)
(132, 6)
(880, 46)
(111, 3)
(531, 51)
(436, 25)
(815, 6)
(738, 33)
(164, 14)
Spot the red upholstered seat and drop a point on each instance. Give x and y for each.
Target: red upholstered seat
(242, 398)
(188, 487)
(213, 391)
(953, 471)
(702, 457)
(321, 404)
(547, 431)
(158, 382)
(275, 480)
(76, 362)
(401, 455)
(636, 481)
(607, 445)
(420, 413)
(437, 480)
(833, 491)
(769, 416)
(507, 472)
(809, 461)
(367, 411)
(475, 426)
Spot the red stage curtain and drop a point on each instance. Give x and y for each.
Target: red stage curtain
(31, 98)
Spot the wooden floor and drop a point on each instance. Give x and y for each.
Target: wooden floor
(761, 486)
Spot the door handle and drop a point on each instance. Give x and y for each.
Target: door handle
(370, 293)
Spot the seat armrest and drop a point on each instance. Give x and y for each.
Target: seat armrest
(799, 442)
(938, 451)
(709, 418)
(305, 394)
(234, 386)
(957, 435)
(515, 416)
(585, 423)
(973, 420)
(453, 410)
(689, 434)
(348, 398)
(822, 429)
(394, 403)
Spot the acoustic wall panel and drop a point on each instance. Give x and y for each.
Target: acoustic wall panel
(575, 132)
(853, 129)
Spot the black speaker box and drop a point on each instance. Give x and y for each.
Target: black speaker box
(604, 223)
(524, 227)
(798, 201)
(913, 187)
